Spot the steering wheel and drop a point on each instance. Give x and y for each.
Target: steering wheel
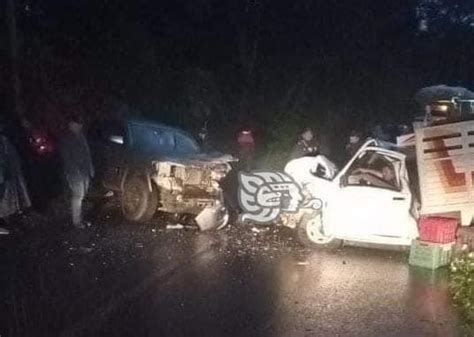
(366, 178)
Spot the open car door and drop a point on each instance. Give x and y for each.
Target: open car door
(373, 201)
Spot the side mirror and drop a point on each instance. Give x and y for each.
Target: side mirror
(116, 139)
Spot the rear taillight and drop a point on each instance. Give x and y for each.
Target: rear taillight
(41, 145)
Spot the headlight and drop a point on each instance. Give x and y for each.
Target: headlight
(441, 108)
(219, 171)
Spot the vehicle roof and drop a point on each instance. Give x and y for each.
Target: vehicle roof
(149, 123)
(145, 122)
(374, 144)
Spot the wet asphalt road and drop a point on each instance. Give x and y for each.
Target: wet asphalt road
(118, 279)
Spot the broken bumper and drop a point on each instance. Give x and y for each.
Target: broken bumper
(291, 220)
(213, 217)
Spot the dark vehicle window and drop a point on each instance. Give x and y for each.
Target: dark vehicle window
(185, 144)
(153, 140)
(162, 141)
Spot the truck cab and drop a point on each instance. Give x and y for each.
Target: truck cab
(156, 167)
(369, 200)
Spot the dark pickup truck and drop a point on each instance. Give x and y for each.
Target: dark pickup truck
(155, 167)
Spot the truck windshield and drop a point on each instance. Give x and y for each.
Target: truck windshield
(374, 169)
(185, 144)
(162, 141)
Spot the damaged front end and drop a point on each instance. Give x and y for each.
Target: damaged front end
(291, 220)
(193, 188)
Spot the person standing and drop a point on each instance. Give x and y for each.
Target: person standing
(306, 145)
(77, 167)
(14, 195)
(246, 146)
(355, 142)
(380, 134)
(38, 151)
(203, 137)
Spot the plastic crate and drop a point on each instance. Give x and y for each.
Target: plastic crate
(438, 229)
(430, 255)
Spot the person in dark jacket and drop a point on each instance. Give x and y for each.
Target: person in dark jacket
(203, 137)
(38, 150)
(77, 167)
(14, 195)
(307, 145)
(355, 142)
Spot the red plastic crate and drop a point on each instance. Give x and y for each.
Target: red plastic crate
(438, 229)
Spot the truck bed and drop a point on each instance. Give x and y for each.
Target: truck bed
(445, 160)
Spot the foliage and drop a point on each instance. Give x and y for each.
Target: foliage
(280, 139)
(462, 289)
(186, 62)
(441, 15)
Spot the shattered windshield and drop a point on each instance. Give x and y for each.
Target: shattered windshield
(374, 169)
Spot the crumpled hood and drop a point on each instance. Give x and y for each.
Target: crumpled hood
(301, 170)
(199, 159)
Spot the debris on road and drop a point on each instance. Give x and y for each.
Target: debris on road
(212, 218)
(177, 226)
(86, 250)
(260, 229)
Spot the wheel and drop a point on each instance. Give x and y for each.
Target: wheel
(310, 233)
(138, 203)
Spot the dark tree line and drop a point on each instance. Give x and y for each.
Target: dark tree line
(281, 64)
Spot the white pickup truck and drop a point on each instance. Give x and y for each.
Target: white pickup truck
(369, 200)
(376, 197)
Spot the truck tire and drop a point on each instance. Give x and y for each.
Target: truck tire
(138, 203)
(308, 233)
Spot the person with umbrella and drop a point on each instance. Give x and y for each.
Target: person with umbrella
(442, 103)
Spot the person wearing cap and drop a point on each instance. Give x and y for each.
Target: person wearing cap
(77, 167)
(14, 195)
